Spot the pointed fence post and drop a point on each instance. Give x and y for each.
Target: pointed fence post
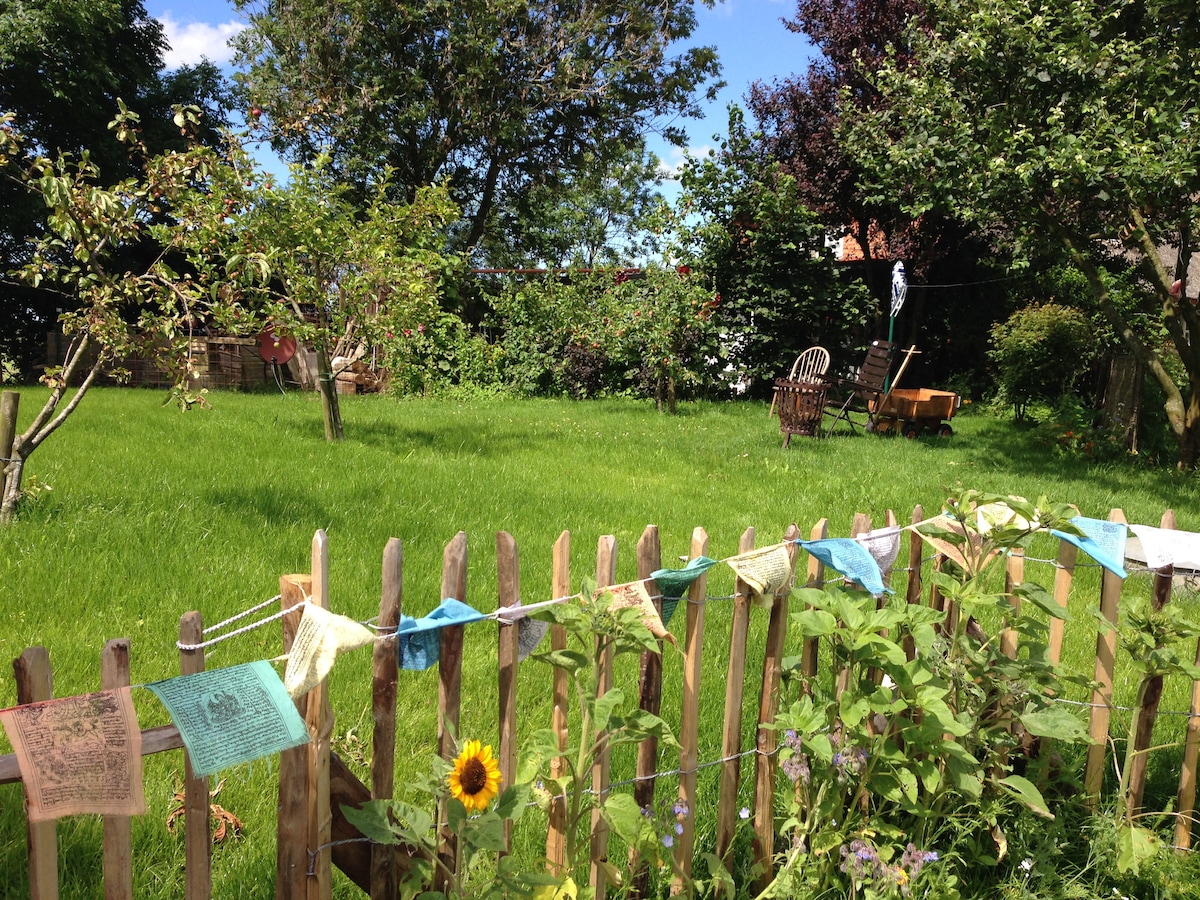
(36, 682)
(767, 740)
(689, 718)
(606, 575)
(118, 851)
(454, 586)
(197, 837)
(507, 651)
(385, 675)
(731, 733)
(556, 848)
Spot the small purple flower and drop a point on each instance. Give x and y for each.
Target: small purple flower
(668, 840)
(679, 828)
(681, 808)
(744, 813)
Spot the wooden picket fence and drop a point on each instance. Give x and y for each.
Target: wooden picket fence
(313, 836)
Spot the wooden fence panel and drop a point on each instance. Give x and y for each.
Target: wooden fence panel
(556, 847)
(118, 851)
(35, 682)
(291, 829)
(509, 579)
(606, 576)
(197, 839)
(1151, 695)
(454, 585)
(689, 717)
(385, 677)
(1106, 652)
(767, 738)
(731, 734)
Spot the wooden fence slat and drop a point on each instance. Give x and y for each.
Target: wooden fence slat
(556, 847)
(1151, 693)
(767, 738)
(385, 675)
(197, 837)
(454, 585)
(689, 718)
(1185, 799)
(319, 720)
(118, 850)
(1102, 695)
(1064, 575)
(816, 578)
(649, 559)
(35, 682)
(731, 732)
(1014, 575)
(912, 590)
(606, 576)
(509, 578)
(291, 829)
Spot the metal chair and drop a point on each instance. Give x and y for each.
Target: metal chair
(865, 389)
(808, 368)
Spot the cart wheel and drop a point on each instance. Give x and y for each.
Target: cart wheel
(910, 430)
(945, 430)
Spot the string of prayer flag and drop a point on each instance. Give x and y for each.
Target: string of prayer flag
(231, 715)
(78, 755)
(419, 641)
(674, 583)
(634, 595)
(1103, 541)
(1168, 547)
(766, 571)
(849, 558)
(322, 635)
(884, 546)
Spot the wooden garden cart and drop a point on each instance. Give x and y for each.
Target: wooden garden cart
(909, 410)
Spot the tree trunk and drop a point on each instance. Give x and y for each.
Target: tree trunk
(329, 399)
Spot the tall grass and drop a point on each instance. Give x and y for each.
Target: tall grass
(153, 513)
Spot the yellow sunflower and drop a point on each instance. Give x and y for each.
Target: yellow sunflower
(475, 778)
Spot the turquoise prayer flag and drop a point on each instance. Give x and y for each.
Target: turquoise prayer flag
(419, 641)
(1103, 541)
(850, 558)
(231, 715)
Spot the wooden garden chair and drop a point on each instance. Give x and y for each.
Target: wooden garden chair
(808, 368)
(863, 392)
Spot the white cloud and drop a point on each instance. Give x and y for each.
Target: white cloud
(670, 167)
(196, 40)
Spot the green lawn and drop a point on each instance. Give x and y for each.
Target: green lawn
(153, 513)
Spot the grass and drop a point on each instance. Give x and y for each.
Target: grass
(153, 513)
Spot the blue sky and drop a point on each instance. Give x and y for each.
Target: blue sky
(751, 41)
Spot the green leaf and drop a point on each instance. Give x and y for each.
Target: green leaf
(815, 623)
(1135, 845)
(603, 706)
(1025, 791)
(624, 817)
(484, 832)
(1054, 722)
(513, 802)
(1042, 598)
(372, 821)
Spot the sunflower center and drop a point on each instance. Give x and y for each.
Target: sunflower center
(473, 777)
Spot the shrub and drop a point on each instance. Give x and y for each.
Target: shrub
(1039, 352)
